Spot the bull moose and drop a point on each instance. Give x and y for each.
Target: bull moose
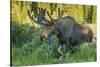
(68, 31)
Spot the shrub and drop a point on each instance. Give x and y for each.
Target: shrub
(21, 33)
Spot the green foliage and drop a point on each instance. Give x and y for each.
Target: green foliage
(35, 52)
(25, 39)
(21, 33)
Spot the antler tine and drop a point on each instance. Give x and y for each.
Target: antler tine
(35, 20)
(49, 15)
(44, 11)
(60, 13)
(31, 17)
(40, 9)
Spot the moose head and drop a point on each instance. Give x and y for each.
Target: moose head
(48, 24)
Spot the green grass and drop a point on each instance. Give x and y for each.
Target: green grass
(34, 53)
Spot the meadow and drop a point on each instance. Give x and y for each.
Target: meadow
(28, 50)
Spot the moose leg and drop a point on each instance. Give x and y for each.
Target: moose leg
(49, 40)
(59, 50)
(68, 48)
(63, 50)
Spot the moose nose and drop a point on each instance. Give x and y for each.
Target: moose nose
(43, 38)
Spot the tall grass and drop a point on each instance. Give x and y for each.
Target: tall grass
(34, 52)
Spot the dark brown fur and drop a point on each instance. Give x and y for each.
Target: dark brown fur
(69, 32)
